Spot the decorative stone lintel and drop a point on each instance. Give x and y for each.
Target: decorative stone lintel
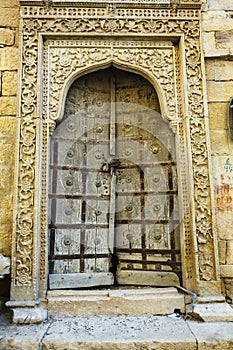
(27, 312)
(49, 3)
(158, 3)
(4, 266)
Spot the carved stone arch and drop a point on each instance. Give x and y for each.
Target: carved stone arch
(137, 69)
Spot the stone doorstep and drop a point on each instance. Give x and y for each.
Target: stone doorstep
(157, 301)
(131, 332)
(143, 301)
(213, 312)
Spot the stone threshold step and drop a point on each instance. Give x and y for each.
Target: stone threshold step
(133, 332)
(157, 301)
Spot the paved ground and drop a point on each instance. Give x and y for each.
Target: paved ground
(143, 332)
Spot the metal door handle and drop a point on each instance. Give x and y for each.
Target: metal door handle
(230, 119)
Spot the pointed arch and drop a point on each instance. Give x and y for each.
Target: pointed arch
(117, 64)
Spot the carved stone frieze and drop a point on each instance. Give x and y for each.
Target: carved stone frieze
(90, 23)
(106, 12)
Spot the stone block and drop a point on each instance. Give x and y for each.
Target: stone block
(9, 83)
(219, 142)
(218, 115)
(209, 46)
(142, 332)
(226, 271)
(6, 195)
(224, 220)
(6, 37)
(216, 20)
(7, 142)
(9, 17)
(209, 288)
(219, 91)
(9, 58)
(222, 247)
(224, 39)
(8, 105)
(208, 42)
(5, 237)
(8, 128)
(220, 4)
(7, 159)
(210, 68)
(229, 255)
(213, 311)
(9, 3)
(213, 336)
(28, 315)
(158, 301)
(4, 266)
(229, 289)
(219, 69)
(17, 36)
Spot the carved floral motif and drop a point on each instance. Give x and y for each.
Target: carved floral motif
(63, 65)
(65, 61)
(27, 155)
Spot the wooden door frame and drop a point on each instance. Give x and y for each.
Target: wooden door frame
(60, 43)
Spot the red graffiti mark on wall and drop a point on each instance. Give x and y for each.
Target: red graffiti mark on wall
(226, 178)
(223, 196)
(224, 186)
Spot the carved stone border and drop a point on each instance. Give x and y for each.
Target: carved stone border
(39, 23)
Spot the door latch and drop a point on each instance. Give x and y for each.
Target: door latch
(110, 165)
(114, 162)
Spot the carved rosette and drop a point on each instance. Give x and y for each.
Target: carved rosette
(134, 22)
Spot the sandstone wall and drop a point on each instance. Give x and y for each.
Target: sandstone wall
(9, 34)
(217, 26)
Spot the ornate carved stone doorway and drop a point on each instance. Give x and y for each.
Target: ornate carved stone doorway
(159, 40)
(113, 192)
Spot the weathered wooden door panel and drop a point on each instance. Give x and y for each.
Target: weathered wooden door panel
(147, 245)
(113, 187)
(79, 191)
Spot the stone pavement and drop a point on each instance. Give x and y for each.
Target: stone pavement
(134, 332)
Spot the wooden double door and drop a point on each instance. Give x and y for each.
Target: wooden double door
(113, 195)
